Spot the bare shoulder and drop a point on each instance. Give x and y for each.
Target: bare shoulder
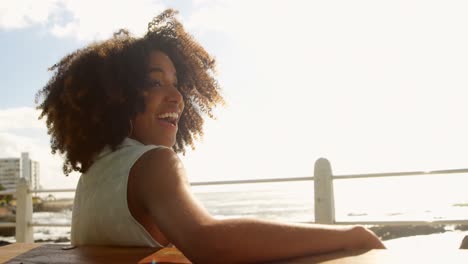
(157, 175)
(160, 165)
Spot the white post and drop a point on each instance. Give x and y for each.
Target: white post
(25, 166)
(324, 196)
(24, 209)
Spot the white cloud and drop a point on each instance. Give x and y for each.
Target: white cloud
(18, 118)
(204, 2)
(81, 19)
(24, 13)
(99, 19)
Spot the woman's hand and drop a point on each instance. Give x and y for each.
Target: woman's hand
(360, 237)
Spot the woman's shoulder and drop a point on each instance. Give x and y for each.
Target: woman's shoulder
(164, 163)
(160, 159)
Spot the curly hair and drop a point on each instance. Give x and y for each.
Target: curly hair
(95, 91)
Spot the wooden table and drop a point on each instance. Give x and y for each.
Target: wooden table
(49, 253)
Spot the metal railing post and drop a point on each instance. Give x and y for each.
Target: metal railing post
(24, 209)
(324, 196)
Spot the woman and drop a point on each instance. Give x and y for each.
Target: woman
(119, 111)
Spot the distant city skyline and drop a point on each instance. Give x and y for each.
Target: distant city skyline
(372, 86)
(14, 168)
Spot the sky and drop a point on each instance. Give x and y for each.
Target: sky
(373, 86)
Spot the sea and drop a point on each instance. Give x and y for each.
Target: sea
(428, 198)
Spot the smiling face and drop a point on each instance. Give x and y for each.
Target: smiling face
(158, 124)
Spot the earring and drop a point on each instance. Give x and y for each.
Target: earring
(131, 129)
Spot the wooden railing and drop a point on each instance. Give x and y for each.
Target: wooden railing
(323, 191)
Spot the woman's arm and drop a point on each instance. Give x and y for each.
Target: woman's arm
(165, 193)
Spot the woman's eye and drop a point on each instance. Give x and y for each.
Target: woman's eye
(155, 83)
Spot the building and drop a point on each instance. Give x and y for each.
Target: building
(11, 169)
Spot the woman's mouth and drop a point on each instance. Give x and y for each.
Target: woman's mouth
(169, 119)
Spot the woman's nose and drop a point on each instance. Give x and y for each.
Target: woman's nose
(174, 96)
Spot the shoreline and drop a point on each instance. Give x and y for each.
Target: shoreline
(57, 205)
(384, 232)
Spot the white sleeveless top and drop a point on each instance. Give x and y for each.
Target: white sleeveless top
(100, 211)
